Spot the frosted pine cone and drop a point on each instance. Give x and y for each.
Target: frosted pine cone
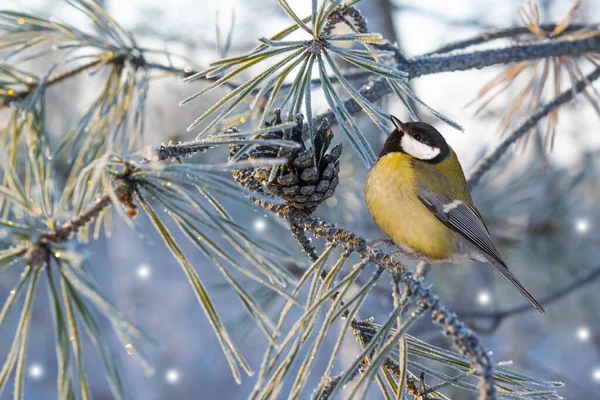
(310, 176)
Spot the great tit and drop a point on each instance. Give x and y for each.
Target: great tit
(418, 195)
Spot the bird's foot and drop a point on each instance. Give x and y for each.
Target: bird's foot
(379, 242)
(411, 255)
(398, 251)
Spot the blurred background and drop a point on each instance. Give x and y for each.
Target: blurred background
(542, 207)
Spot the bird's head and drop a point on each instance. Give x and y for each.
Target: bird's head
(417, 139)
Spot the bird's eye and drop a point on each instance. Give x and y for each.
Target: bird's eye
(418, 137)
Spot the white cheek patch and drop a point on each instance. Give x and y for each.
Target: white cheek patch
(417, 149)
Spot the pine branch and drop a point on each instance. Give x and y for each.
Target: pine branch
(123, 191)
(464, 339)
(431, 63)
(38, 253)
(427, 65)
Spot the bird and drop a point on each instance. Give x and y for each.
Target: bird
(418, 195)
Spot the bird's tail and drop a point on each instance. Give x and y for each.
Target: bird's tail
(503, 270)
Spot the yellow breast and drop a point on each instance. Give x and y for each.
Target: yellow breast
(391, 197)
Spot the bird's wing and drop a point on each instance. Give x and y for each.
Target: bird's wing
(461, 218)
(467, 222)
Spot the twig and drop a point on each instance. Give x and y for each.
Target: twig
(185, 72)
(423, 392)
(332, 383)
(499, 34)
(50, 82)
(63, 233)
(37, 253)
(304, 242)
(182, 149)
(75, 71)
(123, 191)
(487, 163)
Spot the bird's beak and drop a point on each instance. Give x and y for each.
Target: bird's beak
(397, 123)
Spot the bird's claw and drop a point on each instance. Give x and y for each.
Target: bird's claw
(398, 251)
(411, 255)
(379, 242)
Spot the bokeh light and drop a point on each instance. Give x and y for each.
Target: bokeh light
(172, 376)
(144, 272)
(582, 225)
(36, 371)
(484, 298)
(259, 225)
(583, 333)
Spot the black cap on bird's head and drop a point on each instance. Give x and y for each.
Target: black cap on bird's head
(417, 139)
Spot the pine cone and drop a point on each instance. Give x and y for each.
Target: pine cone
(310, 176)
